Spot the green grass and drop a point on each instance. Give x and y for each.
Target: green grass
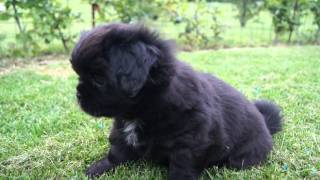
(44, 134)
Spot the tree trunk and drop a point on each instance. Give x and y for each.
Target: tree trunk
(94, 7)
(292, 24)
(63, 40)
(318, 36)
(276, 39)
(243, 13)
(16, 16)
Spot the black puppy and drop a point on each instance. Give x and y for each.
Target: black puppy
(163, 110)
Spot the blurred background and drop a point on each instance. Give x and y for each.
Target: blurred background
(268, 49)
(33, 27)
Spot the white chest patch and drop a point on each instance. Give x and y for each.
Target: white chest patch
(131, 136)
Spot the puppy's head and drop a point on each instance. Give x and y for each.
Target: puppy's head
(115, 63)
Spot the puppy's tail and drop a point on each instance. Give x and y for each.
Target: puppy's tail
(272, 115)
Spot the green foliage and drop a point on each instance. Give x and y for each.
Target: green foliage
(16, 6)
(286, 15)
(50, 21)
(45, 26)
(192, 34)
(315, 9)
(127, 10)
(17, 9)
(248, 9)
(200, 19)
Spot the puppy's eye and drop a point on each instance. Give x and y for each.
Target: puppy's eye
(98, 80)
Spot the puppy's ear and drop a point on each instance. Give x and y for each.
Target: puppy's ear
(131, 64)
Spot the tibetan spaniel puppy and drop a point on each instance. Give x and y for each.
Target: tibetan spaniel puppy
(163, 110)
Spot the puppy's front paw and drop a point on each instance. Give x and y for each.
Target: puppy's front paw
(98, 168)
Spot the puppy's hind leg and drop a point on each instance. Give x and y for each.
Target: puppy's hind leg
(117, 155)
(251, 153)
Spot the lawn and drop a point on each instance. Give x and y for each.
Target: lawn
(44, 134)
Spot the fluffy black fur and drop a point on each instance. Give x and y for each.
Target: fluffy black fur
(163, 110)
